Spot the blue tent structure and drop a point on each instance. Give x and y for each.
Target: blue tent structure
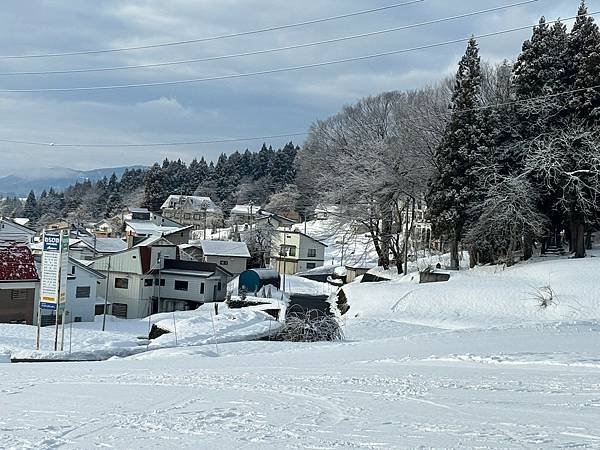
(252, 280)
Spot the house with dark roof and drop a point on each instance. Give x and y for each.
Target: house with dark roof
(147, 279)
(266, 218)
(230, 255)
(19, 285)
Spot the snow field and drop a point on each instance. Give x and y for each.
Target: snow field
(471, 363)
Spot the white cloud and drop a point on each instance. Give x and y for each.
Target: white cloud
(233, 108)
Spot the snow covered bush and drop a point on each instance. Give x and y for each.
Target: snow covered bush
(545, 296)
(310, 326)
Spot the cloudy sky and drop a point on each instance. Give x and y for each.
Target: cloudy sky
(254, 106)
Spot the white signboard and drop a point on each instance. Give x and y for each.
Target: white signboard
(55, 259)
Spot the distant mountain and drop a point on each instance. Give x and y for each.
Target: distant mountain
(20, 183)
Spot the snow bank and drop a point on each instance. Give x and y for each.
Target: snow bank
(230, 325)
(485, 296)
(129, 337)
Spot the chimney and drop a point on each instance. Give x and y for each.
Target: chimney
(129, 240)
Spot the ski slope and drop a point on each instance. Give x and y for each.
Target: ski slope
(472, 363)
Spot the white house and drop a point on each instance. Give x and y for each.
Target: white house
(199, 212)
(151, 279)
(11, 231)
(189, 284)
(294, 251)
(232, 256)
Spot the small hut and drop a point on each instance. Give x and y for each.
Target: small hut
(253, 280)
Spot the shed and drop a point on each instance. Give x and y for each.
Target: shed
(253, 280)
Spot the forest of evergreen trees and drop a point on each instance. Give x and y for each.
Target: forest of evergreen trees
(237, 178)
(513, 163)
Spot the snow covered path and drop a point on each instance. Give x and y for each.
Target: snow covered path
(390, 385)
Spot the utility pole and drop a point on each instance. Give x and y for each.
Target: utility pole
(204, 208)
(159, 280)
(106, 296)
(284, 255)
(250, 218)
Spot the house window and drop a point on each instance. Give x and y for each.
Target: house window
(181, 285)
(310, 266)
(196, 216)
(148, 282)
(121, 283)
(72, 270)
(224, 263)
(202, 288)
(312, 252)
(292, 251)
(162, 282)
(219, 286)
(82, 292)
(119, 310)
(187, 216)
(78, 319)
(18, 295)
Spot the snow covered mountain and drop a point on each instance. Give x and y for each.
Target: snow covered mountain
(20, 183)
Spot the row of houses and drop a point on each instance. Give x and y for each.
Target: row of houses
(155, 268)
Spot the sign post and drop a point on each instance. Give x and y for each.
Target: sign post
(62, 287)
(55, 260)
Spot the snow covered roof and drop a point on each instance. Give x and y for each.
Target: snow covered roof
(245, 209)
(87, 268)
(103, 245)
(17, 264)
(321, 270)
(21, 220)
(224, 248)
(191, 201)
(106, 245)
(266, 215)
(18, 225)
(285, 231)
(146, 227)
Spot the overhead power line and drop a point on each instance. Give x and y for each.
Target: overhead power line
(217, 37)
(292, 134)
(281, 69)
(158, 144)
(272, 50)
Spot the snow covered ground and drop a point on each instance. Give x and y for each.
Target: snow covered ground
(128, 337)
(470, 363)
